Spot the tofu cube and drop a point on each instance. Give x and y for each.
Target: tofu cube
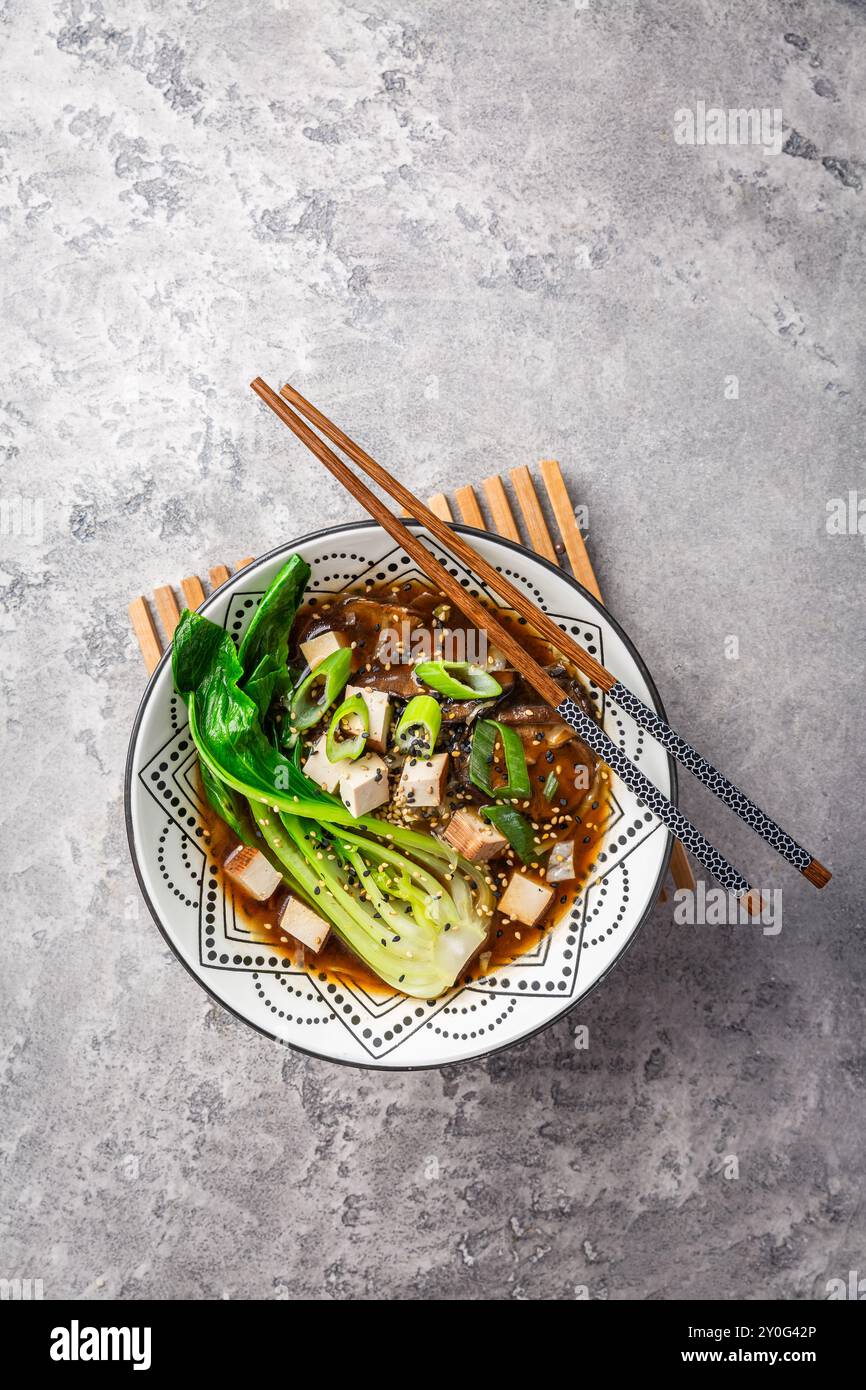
(379, 713)
(560, 864)
(422, 781)
(319, 647)
(321, 769)
(295, 919)
(476, 839)
(525, 900)
(364, 784)
(252, 872)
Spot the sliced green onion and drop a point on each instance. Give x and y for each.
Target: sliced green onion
(517, 773)
(551, 786)
(420, 723)
(458, 680)
(516, 829)
(481, 755)
(336, 749)
(481, 760)
(333, 673)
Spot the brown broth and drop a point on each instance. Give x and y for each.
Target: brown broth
(587, 808)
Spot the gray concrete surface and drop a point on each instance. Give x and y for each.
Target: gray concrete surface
(468, 229)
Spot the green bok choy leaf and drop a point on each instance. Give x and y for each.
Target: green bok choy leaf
(268, 632)
(226, 729)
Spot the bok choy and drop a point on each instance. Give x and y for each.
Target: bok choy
(406, 904)
(414, 929)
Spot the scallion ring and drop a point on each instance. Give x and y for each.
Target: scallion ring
(457, 680)
(339, 749)
(481, 760)
(419, 725)
(332, 673)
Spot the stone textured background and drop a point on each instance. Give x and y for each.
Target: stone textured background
(465, 228)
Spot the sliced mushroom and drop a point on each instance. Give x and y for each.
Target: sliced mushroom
(540, 738)
(385, 630)
(400, 680)
(528, 714)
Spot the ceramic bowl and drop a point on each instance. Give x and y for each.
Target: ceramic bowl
(332, 1017)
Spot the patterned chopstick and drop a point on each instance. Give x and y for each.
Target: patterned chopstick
(540, 679)
(745, 809)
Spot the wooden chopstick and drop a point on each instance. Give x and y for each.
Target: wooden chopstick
(746, 809)
(540, 679)
(546, 686)
(502, 515)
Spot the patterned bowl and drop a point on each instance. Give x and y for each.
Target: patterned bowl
(332, 1017)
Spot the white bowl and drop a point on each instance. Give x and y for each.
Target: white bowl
(337, 1019)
